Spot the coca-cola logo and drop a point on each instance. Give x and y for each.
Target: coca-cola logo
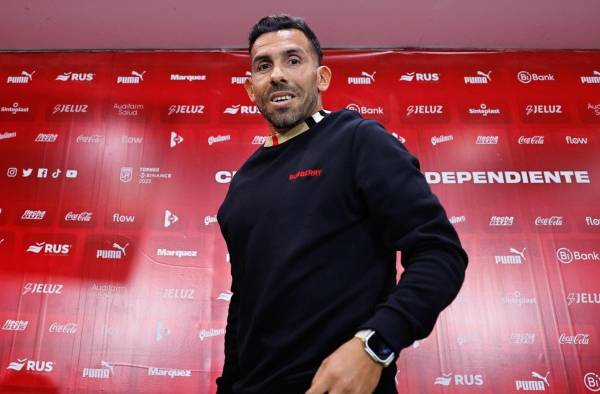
(577, 339)
(78, 217)
(549, 221)
(67, 328)
(533, 140)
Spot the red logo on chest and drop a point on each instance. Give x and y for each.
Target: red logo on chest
(305, 173)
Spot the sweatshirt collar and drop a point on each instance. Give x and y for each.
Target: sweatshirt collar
(277, 139)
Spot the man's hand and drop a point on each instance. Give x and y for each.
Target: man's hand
(347, 370)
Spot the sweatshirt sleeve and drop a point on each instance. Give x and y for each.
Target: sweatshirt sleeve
(231, 370)
(411, 220)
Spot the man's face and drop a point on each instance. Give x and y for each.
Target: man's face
(286, 79)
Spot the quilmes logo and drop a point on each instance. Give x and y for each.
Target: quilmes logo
(133, 79)
(210, 219)
(424, 110)
(72, 76)
(365, 110)
(364, 79)
(175, 139)
(46, 137)
(42, 288)
(105, 372)
(23, 364)
(447, 379)
(583, 298)
(188, 78)
(240, 80)
(184, 109)
(533, 385)
(481, 78)
(218, 138)
(259, 140)
(436, 140)
(527, 77)
(169, 219)
(420, 77)
(30, 214)
(242, 110)
(591, 79)
(117, 252)
(51, 249)
(567, 256)
(24, 78)
(206, 333)
(516, 257)
(543, 109)
(7, 135)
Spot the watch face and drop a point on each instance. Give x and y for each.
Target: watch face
(379, 347)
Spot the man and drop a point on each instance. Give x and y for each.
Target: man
(312, 222)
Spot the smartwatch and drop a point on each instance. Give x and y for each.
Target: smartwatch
(375, 347)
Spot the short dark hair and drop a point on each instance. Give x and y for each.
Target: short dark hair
(273, 23)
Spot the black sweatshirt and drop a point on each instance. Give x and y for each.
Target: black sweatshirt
(312, 227)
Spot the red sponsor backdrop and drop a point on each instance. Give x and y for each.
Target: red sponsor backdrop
(113, 165)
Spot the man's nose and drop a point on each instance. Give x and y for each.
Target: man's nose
(277, 74)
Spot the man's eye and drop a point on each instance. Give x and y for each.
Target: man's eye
(294, 60)
(262, 66)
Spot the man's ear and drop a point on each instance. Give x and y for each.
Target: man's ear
(249, 89)
(324, 78)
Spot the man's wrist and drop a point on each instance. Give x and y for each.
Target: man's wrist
(375, 347)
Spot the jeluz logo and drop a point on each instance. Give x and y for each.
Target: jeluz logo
(484, 111)
(517, 257)
(15, 325)
(570, 140)
(169, 219)
(133, 79)
(242, 110)
(72, 77)
(188, 78)
(593, 79)
(543, 109)
(70, 108)
(118, 252)
(178, 293)
(424, 110)
(24, 78)
(420, 77)
(14, 109)
(240, 80)
(436, 140)
(99, 373)
(533, 385)
(365, 110)
(175, 139)
(49, 249)
(583, 298)
(24, 364)
(527, 77)
(480, 78)
(446, 379)
(42, 288)
(487, 140)
(184, 109)
(364, 79)
(567, 256)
